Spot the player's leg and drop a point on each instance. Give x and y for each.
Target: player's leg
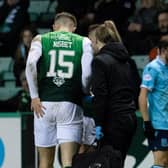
(69, 131)
(67, 152)
(86, 148)
(159, 146)
(161, 159)
(88, 136)
(46, 136)
(46, 157)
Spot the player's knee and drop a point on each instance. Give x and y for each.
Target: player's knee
(163, 161)
(46, 165)
(51, 163)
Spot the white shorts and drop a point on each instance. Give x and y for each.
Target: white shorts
(89, 133)
(62, 122)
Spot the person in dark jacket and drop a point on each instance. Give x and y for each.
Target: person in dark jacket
(113, 101)
(111, 10)
(13, 18)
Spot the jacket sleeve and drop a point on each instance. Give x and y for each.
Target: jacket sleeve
(21, 18)
(100, 90)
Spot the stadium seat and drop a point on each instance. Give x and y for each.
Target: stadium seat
(33, 17)
(8, 92)
(6, 72)
(42, 13)
(1, 3)
(138, 4)
(43, 30)
(53, 7)
(9, 79)
(6, 64)
(38, 6)
(141, 61)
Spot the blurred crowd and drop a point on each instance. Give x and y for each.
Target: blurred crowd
(141, 23)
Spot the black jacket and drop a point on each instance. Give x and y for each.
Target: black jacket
(111, 83)
(19, 18)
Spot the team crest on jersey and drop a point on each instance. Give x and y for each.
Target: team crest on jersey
(59, 81)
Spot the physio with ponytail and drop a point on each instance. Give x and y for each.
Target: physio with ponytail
(113, 100)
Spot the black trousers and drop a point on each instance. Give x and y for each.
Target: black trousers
(119, 133)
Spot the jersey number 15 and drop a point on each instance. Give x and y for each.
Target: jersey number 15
(62, 63)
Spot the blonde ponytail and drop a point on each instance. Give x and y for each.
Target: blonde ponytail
(111, 25)
(107, 32)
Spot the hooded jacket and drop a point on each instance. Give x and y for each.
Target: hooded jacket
(111, 83)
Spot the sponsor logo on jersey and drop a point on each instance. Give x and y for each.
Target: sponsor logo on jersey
(147, 77)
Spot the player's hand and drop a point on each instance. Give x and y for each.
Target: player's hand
(37, 107)
(149, 131)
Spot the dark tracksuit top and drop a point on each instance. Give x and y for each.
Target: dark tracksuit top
(114, 100)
